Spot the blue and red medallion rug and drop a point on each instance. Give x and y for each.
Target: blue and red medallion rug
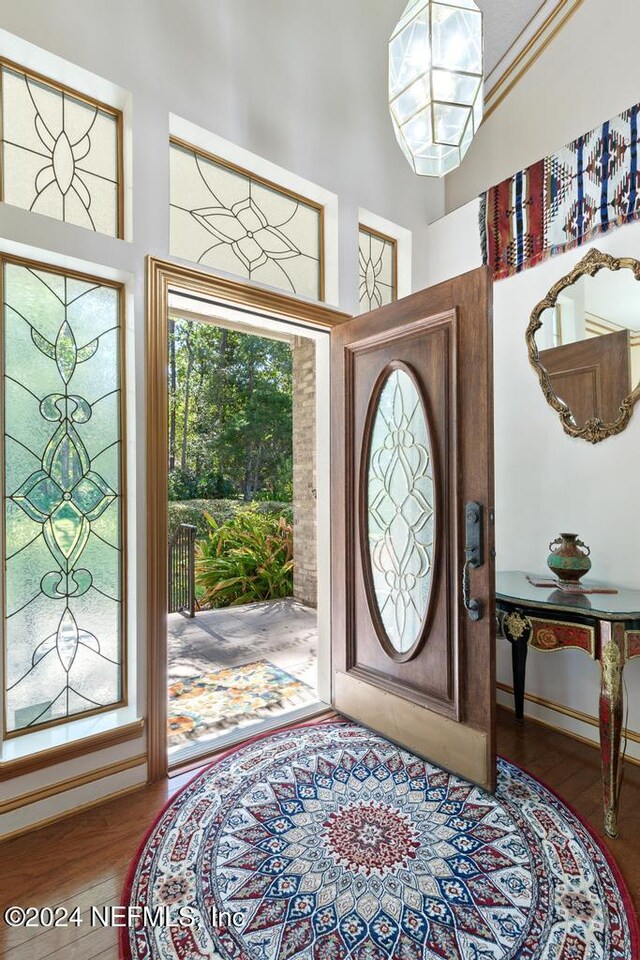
(327, 842)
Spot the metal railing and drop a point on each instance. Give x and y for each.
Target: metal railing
(182, 572)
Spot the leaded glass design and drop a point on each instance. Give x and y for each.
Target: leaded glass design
(435, 82)
(377, 269)
(226, 218)
(400, 510)
(60, 153)
(63, 546)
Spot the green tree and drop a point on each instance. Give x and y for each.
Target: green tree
(230, 413)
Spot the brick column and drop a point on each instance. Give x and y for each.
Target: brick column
(305, 573)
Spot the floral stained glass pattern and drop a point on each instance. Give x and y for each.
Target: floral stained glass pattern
(62, 493)
(400, 510)
(228, 219)
(60, 154)
(377, 269)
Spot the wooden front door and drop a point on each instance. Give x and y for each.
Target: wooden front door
(412, 484)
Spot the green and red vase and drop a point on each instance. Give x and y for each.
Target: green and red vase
(569, 561)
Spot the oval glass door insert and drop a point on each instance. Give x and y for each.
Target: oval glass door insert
(400, 510)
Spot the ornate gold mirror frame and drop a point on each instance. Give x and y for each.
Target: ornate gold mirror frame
(593, 429)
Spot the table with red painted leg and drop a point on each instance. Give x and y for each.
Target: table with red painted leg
(606, 626)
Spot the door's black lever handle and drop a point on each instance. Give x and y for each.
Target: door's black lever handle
(473, 556)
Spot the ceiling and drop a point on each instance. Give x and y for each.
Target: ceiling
(504, 20)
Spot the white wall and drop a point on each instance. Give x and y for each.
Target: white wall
(545, 480)
(301, 84)
(586, 75)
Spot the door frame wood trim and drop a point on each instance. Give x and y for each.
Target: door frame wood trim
(161, 277)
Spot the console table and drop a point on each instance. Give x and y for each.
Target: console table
(606, 626)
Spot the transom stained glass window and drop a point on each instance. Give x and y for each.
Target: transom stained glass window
(229, 219)
(63, 540)
(377, 269)
(61, 152)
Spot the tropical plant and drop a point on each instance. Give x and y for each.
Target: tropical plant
(193, 511)
(245, 559)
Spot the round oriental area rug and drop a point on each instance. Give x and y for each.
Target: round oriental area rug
(327, 842)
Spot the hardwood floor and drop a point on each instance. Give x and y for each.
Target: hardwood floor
(82, 861)
(78, 862)
(572, 769)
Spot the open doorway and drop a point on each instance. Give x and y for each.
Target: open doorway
(247, 637)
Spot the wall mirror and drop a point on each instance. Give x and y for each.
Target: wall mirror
(584, 343)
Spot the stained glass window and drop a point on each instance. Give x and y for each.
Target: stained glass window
(63, 541)
(400, 510)
(229, 219)
(377, 269)
(60, 153)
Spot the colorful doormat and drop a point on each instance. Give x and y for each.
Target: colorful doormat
(327, 842)
(588, 187)
(231, 697)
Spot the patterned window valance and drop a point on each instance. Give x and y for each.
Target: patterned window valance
(563, 201)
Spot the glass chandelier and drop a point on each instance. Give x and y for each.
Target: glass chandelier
(435, 82)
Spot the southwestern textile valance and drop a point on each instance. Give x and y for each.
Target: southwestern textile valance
(563, 201)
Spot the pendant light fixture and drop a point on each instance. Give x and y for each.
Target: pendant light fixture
(436, 82)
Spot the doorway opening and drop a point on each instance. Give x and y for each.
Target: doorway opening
(248, 624)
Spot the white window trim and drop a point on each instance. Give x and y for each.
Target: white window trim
(198, 137)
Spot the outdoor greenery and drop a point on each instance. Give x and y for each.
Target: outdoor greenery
(230, 460)
(193, 512)
(229, 415)
(245, 559)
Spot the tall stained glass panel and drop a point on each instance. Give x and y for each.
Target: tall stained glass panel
(227, 218)
(61, 152)
(377, 255)
(63, 537)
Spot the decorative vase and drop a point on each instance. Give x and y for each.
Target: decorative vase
(568, 561)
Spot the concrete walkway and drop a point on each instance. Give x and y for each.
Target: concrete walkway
(284, 632)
